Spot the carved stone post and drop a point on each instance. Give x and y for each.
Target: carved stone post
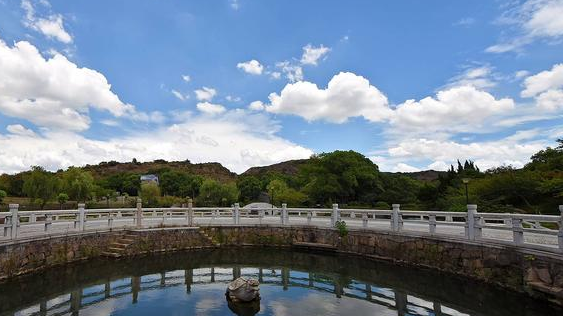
(81, 216)
(335, 215)
(517, 231)
(139, 213)
(470, 223)
(560, 233)
(15, 220)
(190, 212)
(396, 223)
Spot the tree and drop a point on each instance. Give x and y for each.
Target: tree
(150, 192)
(213, 193)
(280, 192)
(3, 195)
(249, 188)
(78, 183)
(40, 185)
(62, 198)
(181, 184)
(340, 176)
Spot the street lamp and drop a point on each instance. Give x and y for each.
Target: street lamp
(466, 182)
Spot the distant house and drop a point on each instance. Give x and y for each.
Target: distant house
(148, 178)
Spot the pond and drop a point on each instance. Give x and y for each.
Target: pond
(291, 283)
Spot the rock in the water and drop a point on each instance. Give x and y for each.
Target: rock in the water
(243, 290)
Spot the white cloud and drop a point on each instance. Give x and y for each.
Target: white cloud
(186, 78)
(234, 4)
(457, 109)
(275, 75)
(210, 108)
(547, 88)
(179, 95)
(403, 167)
(465, 21)
(236, 139)
(19, 129)
(55, 92)
(535, 19)
(51, 26)
(521, 74)
(508, 151)
(347, 95)
(256, 106)
(481, 77)
(312, 54)
(292, 72)
(543, 81)
(551, 100)
(231, 98)
(252, 67)
(205, 94)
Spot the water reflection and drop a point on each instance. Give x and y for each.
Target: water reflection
(292, 283)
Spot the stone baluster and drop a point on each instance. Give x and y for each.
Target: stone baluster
(139, 213)
(81, 216)
(396, 221)
(284, 214)
(560, 233)
(48, 222)
(110, 220)
(335, 215)
(15, 220)
(517, 231)
(365, 220)
(470, 222)
(190, 212)
(352, 214)
(237, 214)
(432, 223)
(309, 217)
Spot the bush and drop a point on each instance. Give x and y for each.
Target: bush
(382, 206)
(342, 228)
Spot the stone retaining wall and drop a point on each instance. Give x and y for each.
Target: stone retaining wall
(537, 273)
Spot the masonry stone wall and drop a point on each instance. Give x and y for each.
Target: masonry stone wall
(538, 273)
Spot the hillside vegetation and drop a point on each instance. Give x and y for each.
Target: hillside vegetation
(344, 177)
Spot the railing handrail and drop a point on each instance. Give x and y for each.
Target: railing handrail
(396, 220)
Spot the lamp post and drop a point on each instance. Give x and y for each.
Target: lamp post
(466, 182)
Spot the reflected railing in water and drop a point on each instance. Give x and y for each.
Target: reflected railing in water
(80, 298)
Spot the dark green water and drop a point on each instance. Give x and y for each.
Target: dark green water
(292, 283)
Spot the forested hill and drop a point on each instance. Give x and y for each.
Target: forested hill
(290, 168)
(211, 170)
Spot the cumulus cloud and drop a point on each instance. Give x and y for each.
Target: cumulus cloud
(508, 151)
(256, 106)
(236, 139)
(205, 94)
(457, 109)
(547, 88)
(534, 19)
(347, 95)
(19, 129)
(179, 95)
(55, 92)
(210, 108)
(292, 72)
(311, 54)
(543, 81)
(252, 67)
(481, 77)
(50, 26)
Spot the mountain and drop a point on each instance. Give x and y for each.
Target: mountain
(290, 167)
(213, 170)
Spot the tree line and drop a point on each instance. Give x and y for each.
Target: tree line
(344, 177)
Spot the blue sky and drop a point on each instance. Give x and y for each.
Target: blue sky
(411, 84)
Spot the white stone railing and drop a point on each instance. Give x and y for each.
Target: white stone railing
(542, 232)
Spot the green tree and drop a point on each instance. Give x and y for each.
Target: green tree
(213, 193)
(150, 192)
(62, 198)
(79, 184)
(249, 188)
(180, 184)
(280, 192)
(40, 185)
(340, 176)
(3, 195)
